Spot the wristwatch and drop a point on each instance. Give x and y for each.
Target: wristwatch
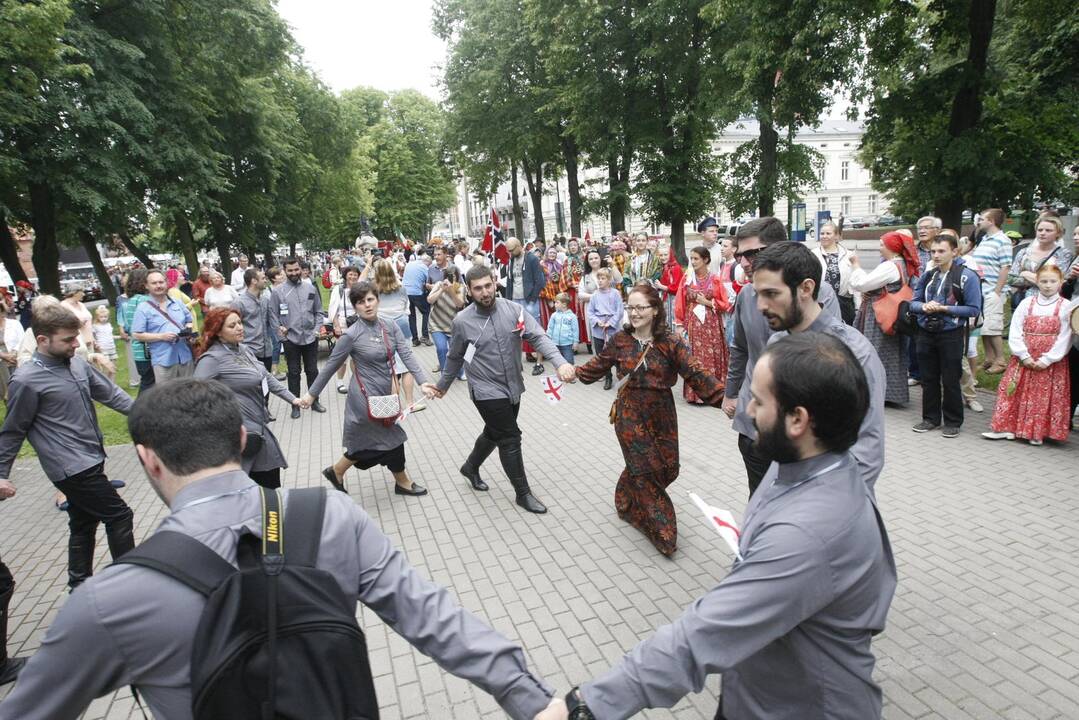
(576, 705)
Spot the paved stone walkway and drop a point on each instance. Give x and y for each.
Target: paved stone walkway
(984, 624)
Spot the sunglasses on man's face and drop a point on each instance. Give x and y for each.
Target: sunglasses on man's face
(747, 254)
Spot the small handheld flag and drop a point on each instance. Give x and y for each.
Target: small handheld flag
(723, 521)
(552, 388)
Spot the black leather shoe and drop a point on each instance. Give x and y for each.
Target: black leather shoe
(474, 478)
(270, 417)
(11, 669)
(317, 407)
(295, 412)
(537, 370)
(529, 502)
(607, 383)
(415, 490)
(330, 475)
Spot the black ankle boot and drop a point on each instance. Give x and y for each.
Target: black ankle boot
(513, 463)
(471, 469)
(9, 666)
(80, 559)
(121, 535)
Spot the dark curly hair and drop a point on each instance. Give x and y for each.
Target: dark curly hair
(659, 322)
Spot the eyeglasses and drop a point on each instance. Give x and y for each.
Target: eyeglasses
(638, 308)
(747, 254)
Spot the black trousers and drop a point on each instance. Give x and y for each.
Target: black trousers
(599, 344)
(294, 354)
(940, 359)
(756, 464)
(419, 302)
(7, 582)
(1073, 370)
(499, 419)
(268, 362)
(847, 310)
(146, 374)
(92, 500)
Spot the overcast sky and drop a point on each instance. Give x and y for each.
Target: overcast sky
(386, 44)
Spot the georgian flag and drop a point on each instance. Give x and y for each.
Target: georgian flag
(553, 388)
(723, 521)
(520, 322)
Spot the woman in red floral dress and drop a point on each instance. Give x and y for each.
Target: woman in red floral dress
(574, 269)
(1033, 400)
(698, 312)
(643, 413)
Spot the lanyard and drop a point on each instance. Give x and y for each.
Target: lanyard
(746, 521)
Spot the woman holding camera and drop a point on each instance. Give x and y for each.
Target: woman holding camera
(223, 357)
(371, 434)
(341, 313)
(446, 299)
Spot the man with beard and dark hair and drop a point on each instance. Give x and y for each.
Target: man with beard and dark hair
(785, 279)
(790, 627)
(487, 335)
(750, 333)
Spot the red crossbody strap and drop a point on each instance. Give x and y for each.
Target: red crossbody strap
(389, 364)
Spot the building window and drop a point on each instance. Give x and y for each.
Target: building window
(820, 174)
(844, 170)
(844, 205)
(872, 204)
(822, 204)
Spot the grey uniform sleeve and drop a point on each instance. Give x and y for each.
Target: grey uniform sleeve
(341, 350)
(783, 580)
(206, 367)
(428, 617)
(455, 356)
(78, 661)
(534, 334)
(22, 405)
(276, 386)
(107, 392)
(320, 314)
(275, 309)
(868, 449)
(736, 369)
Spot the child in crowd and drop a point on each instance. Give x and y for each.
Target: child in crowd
(562, 327)
(104, 341)
(1033, 398)
(604, 315)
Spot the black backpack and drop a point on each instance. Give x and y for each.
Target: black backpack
(278, 639)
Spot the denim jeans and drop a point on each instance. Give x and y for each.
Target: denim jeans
(442, 349)
(567, 352)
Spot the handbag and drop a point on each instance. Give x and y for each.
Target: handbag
(255, 441)
(886, 307)
(382, 408)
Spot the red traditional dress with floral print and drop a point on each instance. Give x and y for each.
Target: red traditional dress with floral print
(646, 424)
(574, 269)
(706, 337)
(1039, 404)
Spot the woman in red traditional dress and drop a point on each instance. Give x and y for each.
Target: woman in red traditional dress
(574, 270)
(644, 415)
(1033, 397)
(670, 279)
(698, 314)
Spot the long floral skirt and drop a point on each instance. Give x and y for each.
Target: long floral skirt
(647, 428)
(708, 343)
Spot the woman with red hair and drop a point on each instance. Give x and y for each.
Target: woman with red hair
(898, 268)
(222, 356)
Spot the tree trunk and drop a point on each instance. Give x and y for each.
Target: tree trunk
(967, 103)
(617, 199)
(46, 255)
(187, 244)
(9, 251)
(518, 216)
(570, 154)
(535, 192)
(135, 250)
(224, 247)
(86, 239)
(768, 173)
(678, 239)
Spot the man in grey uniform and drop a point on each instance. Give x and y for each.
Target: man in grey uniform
(785, 279)
(791, 625)
(254, 309)
(297, 308)
(751, 333)
(51, 403)
(487, 335)
(133, 625)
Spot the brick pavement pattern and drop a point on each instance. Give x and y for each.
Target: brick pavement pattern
(985, 536)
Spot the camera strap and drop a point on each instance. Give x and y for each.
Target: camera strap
(164, 314)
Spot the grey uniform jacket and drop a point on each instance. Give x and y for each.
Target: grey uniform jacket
(243, 374)
(255, 313)
(790, 626)
(132, 625)
(366, 344)
(496, 370)
(868, 450)
(299, 308)
(51, 403)
(751, 333)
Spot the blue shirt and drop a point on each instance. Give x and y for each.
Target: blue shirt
(415, 278)
(149, 320)
(562, 328)
(963, 302)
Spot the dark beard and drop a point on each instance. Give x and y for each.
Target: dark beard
(774, 444)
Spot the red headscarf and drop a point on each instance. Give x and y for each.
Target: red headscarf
(903, 245)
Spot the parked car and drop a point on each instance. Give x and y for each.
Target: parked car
(80, 275)
(886, 220)
(858, 222)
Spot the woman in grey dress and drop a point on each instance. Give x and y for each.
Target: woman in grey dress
(371, 343)
(223, 357)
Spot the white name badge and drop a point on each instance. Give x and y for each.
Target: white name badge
(265, 386)
(470, 352)
(699, 311)
(283, 309)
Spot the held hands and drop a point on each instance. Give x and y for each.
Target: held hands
(430, 390)
(7, 489)
(567, 373)
(556, 710)
(305, 402)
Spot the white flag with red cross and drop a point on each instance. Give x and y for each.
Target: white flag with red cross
(553, 388)
(723, 521)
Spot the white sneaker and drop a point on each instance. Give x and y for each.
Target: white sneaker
(998, 435)
(1035, 442)
(911, 382)
(975, 406)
